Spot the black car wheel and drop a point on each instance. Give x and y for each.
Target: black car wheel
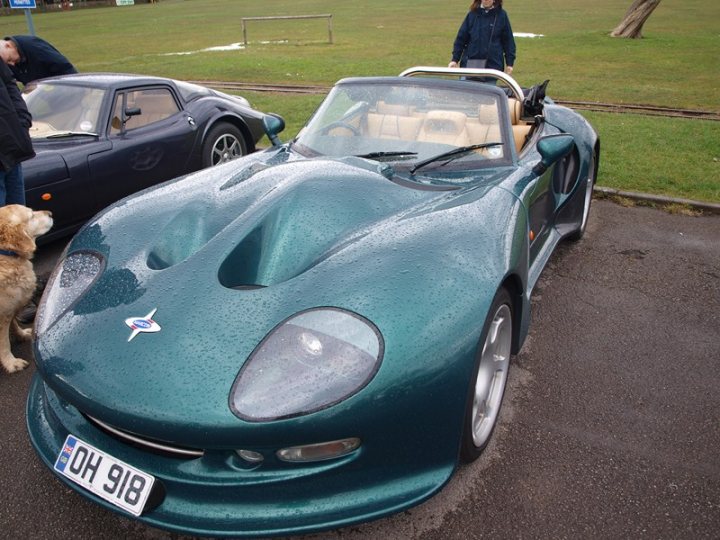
(224, 142)
(489, 378)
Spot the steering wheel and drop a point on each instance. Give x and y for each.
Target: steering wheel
(340, 124)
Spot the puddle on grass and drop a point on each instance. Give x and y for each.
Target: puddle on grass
(239, 46)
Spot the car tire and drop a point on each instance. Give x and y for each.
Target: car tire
(224, 142)
(578, 233)
(489, 377)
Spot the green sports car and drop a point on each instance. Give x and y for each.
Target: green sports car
(316, 334)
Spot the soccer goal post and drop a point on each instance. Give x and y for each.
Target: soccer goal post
(286, 17)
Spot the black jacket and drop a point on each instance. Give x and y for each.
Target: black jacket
(38, 59)
(474, 39)
(15, 121)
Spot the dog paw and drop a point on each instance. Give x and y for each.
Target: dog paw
(13, 364)
(24, 334)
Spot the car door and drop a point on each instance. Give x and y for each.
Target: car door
(550, 193)
(151, 140)
(540, 211)
(57, 179)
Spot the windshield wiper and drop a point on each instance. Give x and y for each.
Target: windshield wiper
(373, 155)
(61, 134)
(453, 153)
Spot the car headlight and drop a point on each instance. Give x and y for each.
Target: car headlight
(70, 279)
(309, 362)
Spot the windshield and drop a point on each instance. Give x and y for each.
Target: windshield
(60, 108)
(407, 124)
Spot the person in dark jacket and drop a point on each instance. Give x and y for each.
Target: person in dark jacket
(15, 143)
(31, 58)
(485, 34)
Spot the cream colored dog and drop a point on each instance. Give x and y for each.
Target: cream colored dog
(19, 226)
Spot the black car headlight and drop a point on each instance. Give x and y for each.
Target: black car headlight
(309, 362)
(70, 279)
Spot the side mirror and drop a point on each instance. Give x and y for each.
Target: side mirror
(552, 148)
(273, 124)
(127, 114)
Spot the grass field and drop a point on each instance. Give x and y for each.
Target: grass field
(677, 63)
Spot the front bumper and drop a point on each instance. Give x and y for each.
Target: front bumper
(218, 494)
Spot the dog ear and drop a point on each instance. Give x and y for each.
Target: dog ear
(26, 243)
(15, 237)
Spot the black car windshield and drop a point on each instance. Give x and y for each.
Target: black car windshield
(408, 122)
(62, 109)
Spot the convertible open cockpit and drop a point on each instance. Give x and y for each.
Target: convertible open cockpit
(422, 115)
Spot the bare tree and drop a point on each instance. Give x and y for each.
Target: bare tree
(637, 14)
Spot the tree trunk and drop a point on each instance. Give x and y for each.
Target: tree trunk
(632, 23)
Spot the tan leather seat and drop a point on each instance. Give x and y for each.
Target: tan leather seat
(515, 111)
(447, 127)
(391, 126)
(520, 129)
(486, 125)
(393, 121)
(394, 108)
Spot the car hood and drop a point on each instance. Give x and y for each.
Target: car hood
(62, 145)
(47, 166)
(52, 156)
(226, 259)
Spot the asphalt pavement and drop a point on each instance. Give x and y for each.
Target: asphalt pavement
(611, 423)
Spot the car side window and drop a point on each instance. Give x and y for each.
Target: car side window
(155, 104)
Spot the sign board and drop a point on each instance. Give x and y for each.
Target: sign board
(124, 2)
(22, 4)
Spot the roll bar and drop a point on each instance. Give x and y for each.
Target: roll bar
(419, 71)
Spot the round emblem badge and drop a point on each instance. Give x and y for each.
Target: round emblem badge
(142, 324)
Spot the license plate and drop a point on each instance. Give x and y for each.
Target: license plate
(105, 476)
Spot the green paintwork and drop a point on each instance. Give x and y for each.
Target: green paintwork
(422, 260)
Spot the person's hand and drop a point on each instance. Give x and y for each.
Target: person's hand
(508, 70)
(453, 64)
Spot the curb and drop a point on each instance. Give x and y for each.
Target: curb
(658, 199)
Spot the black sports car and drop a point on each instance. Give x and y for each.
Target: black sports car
(101, 136)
